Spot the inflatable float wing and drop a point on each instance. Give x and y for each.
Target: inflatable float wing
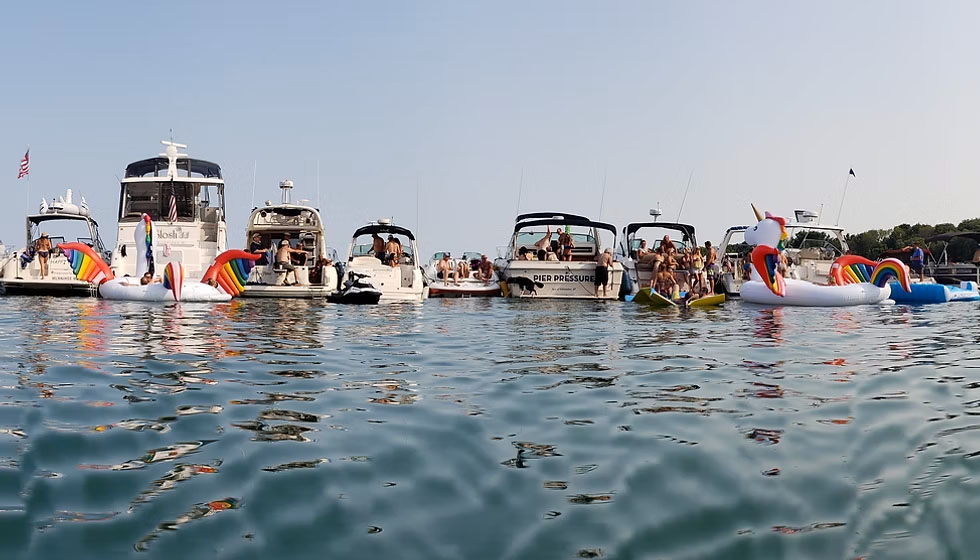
(86, 263)
(765, 260)
(230, 271)
(853, 269)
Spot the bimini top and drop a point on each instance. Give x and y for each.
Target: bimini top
(686, 229)
(383, 228)
(38, 218)
(947, 237)
(548, 219)
(157, 167)
(540, 215)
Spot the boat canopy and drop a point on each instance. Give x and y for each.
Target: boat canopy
(540, 215)
(383, 228)
(947, 237)
(563, 220)
(157, 167)
(686, 229)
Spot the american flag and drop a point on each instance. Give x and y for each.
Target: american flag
(25, 165)
(172, 215)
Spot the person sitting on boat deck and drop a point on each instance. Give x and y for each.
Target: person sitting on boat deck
(567, 244)
(445, 269)
(541, 255)
(603, 262)
(657, 260)
(256, 247)
(284, 262)
(378, 247)
(316, 273)
(42, 248)
(667, 245)
(642, 250)
(542, 244)
(551, 253)
(523, 254)
(917, 260)
(462, 269)
(484, 270)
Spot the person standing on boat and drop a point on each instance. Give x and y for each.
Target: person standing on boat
(256, 248)
(543, 243)
(378, 247)
(284, 262)
(917, 260)
(710, 265)
(603, 262)
(43, 250)
(566, 244)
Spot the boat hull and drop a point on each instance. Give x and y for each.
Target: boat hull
(465, 289)
(806, 294)
(562, 280)
(298, 292)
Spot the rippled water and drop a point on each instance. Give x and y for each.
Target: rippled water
(486, 429)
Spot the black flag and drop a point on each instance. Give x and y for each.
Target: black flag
(852, 174)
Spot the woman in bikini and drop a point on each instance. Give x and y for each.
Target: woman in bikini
(43, 249)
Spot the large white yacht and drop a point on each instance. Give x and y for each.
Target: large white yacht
(400, 280)
(270, 224)
(811, 248)
(63, 220)
(531, 276)
(185, 198)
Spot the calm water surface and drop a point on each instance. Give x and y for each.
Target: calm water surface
(487, 429)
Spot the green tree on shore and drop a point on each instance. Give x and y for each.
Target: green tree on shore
(873, 243)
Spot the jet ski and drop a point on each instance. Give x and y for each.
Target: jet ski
(357, 289)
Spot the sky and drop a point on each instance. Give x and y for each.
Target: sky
(431, 112)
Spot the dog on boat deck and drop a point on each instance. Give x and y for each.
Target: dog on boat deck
(526, 285)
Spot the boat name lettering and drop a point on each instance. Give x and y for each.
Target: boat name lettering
(564, 278)
(178, 233)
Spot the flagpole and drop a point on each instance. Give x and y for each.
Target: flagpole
(841, 209)
(28, 152)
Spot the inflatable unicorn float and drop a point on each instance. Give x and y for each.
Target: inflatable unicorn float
(224, 279)
(854, 280)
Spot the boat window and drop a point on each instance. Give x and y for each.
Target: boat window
(153, 199)
(60, 231)
(363, 245)
(528, 238)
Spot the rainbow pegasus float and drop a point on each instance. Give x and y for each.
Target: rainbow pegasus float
(856, 280)
(223, 280)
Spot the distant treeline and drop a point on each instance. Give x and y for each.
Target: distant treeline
(874, 243)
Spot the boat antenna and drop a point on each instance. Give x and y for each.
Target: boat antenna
(683, 200)
(520, 188)
(255, 168)
(602, 198)
(850, 174)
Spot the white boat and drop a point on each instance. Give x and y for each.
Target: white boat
(62, 221)
(468, 286)
(640, 270)
(811, 248)
(574, 279)
(195, 187)
(398, 281)
(304, 225)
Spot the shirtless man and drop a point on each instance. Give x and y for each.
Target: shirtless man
(43, 249)
(667, 245)
(603, 262)
(484, 270)
(378, 246)
(283, 260)
(642, 251)
(393, 250)
(710, 265)
(445, 269)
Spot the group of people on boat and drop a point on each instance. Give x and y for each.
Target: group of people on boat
(690, 269)
(481, 270)
(548, 249)
(286, 256)
(389, 252)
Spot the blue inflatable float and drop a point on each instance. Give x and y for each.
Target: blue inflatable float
(923, 292)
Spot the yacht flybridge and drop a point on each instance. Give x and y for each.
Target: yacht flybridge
(529, 275)
(299, 227)
(63, 220)
(184, 197)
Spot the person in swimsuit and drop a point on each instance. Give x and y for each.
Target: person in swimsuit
(445, 269)
(697, 268)
(543, 243)
(667, 245)
(917, 260)
(378, 247)
(642, 250)
(710, 265)
(43, 249)
(603, 262)
(566, 244)
(393, 251)
(484, 270)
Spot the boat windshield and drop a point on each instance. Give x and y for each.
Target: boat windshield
(817, 243)
(363, 245)
(527, 238)
(195, 201)
(65, 230)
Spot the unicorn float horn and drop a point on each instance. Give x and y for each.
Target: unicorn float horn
(758, 215)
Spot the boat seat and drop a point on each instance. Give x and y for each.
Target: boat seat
(280, 273)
